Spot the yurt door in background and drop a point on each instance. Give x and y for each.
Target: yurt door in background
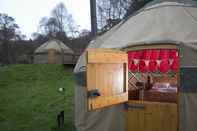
(107, 74)
(51, 56)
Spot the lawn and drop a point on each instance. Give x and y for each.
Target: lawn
(30, 99)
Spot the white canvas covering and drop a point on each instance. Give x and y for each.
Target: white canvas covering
(54, 44)
(160, 21)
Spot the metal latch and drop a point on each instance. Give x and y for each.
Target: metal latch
(93, 93)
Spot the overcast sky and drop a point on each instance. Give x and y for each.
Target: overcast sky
(27, 13)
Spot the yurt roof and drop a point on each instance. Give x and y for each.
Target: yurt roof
(158, 21)
(54, 44)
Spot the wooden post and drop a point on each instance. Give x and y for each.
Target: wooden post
(93, 17)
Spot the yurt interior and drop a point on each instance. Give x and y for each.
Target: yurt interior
(151, 71)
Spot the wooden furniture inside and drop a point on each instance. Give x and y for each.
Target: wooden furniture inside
(165, 95)
(149, 94)
(166, 79)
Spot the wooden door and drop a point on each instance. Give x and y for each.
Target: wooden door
(135, 117)
(51, 56)
(151, 116)
(107, 76)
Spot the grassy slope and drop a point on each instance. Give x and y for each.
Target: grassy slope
(29, 97)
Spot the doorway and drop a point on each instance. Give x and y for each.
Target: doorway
(153, 90)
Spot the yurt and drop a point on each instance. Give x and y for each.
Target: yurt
(141, 74)
(53, 52)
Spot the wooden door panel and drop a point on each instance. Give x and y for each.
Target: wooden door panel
(107, 101)
(135, 120)
(154, 117)
(106, 56)
(51, 56)
(107, 73)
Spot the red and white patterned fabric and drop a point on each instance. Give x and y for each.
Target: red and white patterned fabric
(153, 60)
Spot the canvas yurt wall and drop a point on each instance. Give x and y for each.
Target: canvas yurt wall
(159, 22)
(54, 52)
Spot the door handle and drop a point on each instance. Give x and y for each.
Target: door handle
(93, 93)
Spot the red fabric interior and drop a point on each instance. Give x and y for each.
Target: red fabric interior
(152, 66)
(142, 66)
(153, 60)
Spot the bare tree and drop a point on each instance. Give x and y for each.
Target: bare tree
(60, 13)
(60, 23)
(8, 32)
(72, 27)
(49, 26)
(111, 12)
(65, 20)
(136, 5)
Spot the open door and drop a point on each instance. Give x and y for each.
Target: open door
(107, 78)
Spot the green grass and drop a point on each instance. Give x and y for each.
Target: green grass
(30, 100)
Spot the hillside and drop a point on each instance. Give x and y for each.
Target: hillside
(30, 100)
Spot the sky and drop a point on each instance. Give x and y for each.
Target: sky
(27, 13)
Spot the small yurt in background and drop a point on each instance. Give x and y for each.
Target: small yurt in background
(54, 52)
